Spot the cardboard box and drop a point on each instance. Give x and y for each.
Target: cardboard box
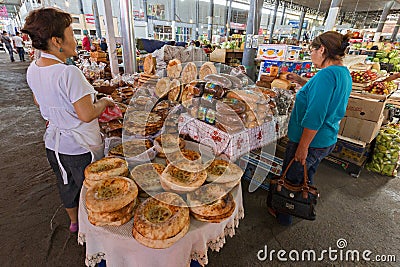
(365, 108)
(351, 150)
(361, 130)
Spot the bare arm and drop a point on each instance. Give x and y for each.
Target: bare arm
(305, 141)
(87, 111)
(35, 101)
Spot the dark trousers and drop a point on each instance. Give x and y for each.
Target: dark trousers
(10, 52)
(75, 166)
(295, 173)
(21, 53)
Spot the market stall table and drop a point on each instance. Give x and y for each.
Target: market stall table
(116, 245)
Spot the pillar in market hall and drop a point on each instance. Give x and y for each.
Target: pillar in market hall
(112, 49)
(173, 22)
(253, 25)
(271, 35)
(332, 15)
(128, 37)
(210, 20)
(149, 26)
(382, 20)
(96, 18)
(283, 13)
(228, 19)
(197, 18)
(301, 22)
(395, 30)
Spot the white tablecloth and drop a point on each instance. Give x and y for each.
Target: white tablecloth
(117, 246)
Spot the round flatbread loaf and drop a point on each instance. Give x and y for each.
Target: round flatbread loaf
(168, 143)
(149, 64)
(161, 217)
(174, 68)
(183, 177)
(186, 97)
(147, 176)
(163, 87)
(210, 200)
(206, 69)
(104, 168)
(183, 155)
(175, 93)
(115, 218)
(111, 194)
(189, 72)
(215, 219)
(159, 243)
(221, 171)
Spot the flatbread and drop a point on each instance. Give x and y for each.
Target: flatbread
(149, 64)
(111, 194)
(168, 143)
(189, 72)
(161, 217)
(183, 155)
(163, 87)
(115, 218)
(174, 93)
(221, 171)
(136, 147)
(174, 68)
(106, 167)
(159, 243)
(183, 177)
(215, 219)
(147, 176)
(206, 69)
(216, 207)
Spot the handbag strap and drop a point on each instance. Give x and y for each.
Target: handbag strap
(305, 180)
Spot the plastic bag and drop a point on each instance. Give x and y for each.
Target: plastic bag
(110, 113)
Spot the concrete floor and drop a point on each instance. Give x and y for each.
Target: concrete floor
(364, 211)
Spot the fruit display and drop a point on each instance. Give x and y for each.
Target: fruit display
(363, 76)
(391, 58)
(381, 88)
(385, 159)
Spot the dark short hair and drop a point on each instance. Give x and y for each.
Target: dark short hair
(335, 44)
(44, 23)
(4, 32)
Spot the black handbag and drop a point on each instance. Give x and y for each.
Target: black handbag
(297, 200)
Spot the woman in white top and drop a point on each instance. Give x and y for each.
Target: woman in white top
(67, 101)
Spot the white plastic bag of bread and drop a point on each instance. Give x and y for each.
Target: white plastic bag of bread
(211, 203)
(281, 84)
(103, 169)
(159, 222)
(111, 201)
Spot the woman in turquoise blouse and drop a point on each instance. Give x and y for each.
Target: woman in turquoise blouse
(319, 107)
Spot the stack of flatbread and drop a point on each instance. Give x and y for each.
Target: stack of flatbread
(104, 168)
(183, 177)
(112, 201)
(147, 79)
(211, 203)
(142, 123)
(161, 221)
(136, 149)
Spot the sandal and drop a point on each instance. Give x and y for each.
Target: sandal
(73, 227)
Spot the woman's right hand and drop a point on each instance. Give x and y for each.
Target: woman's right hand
(108, 102)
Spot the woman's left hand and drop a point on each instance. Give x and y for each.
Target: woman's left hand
(301, 154)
